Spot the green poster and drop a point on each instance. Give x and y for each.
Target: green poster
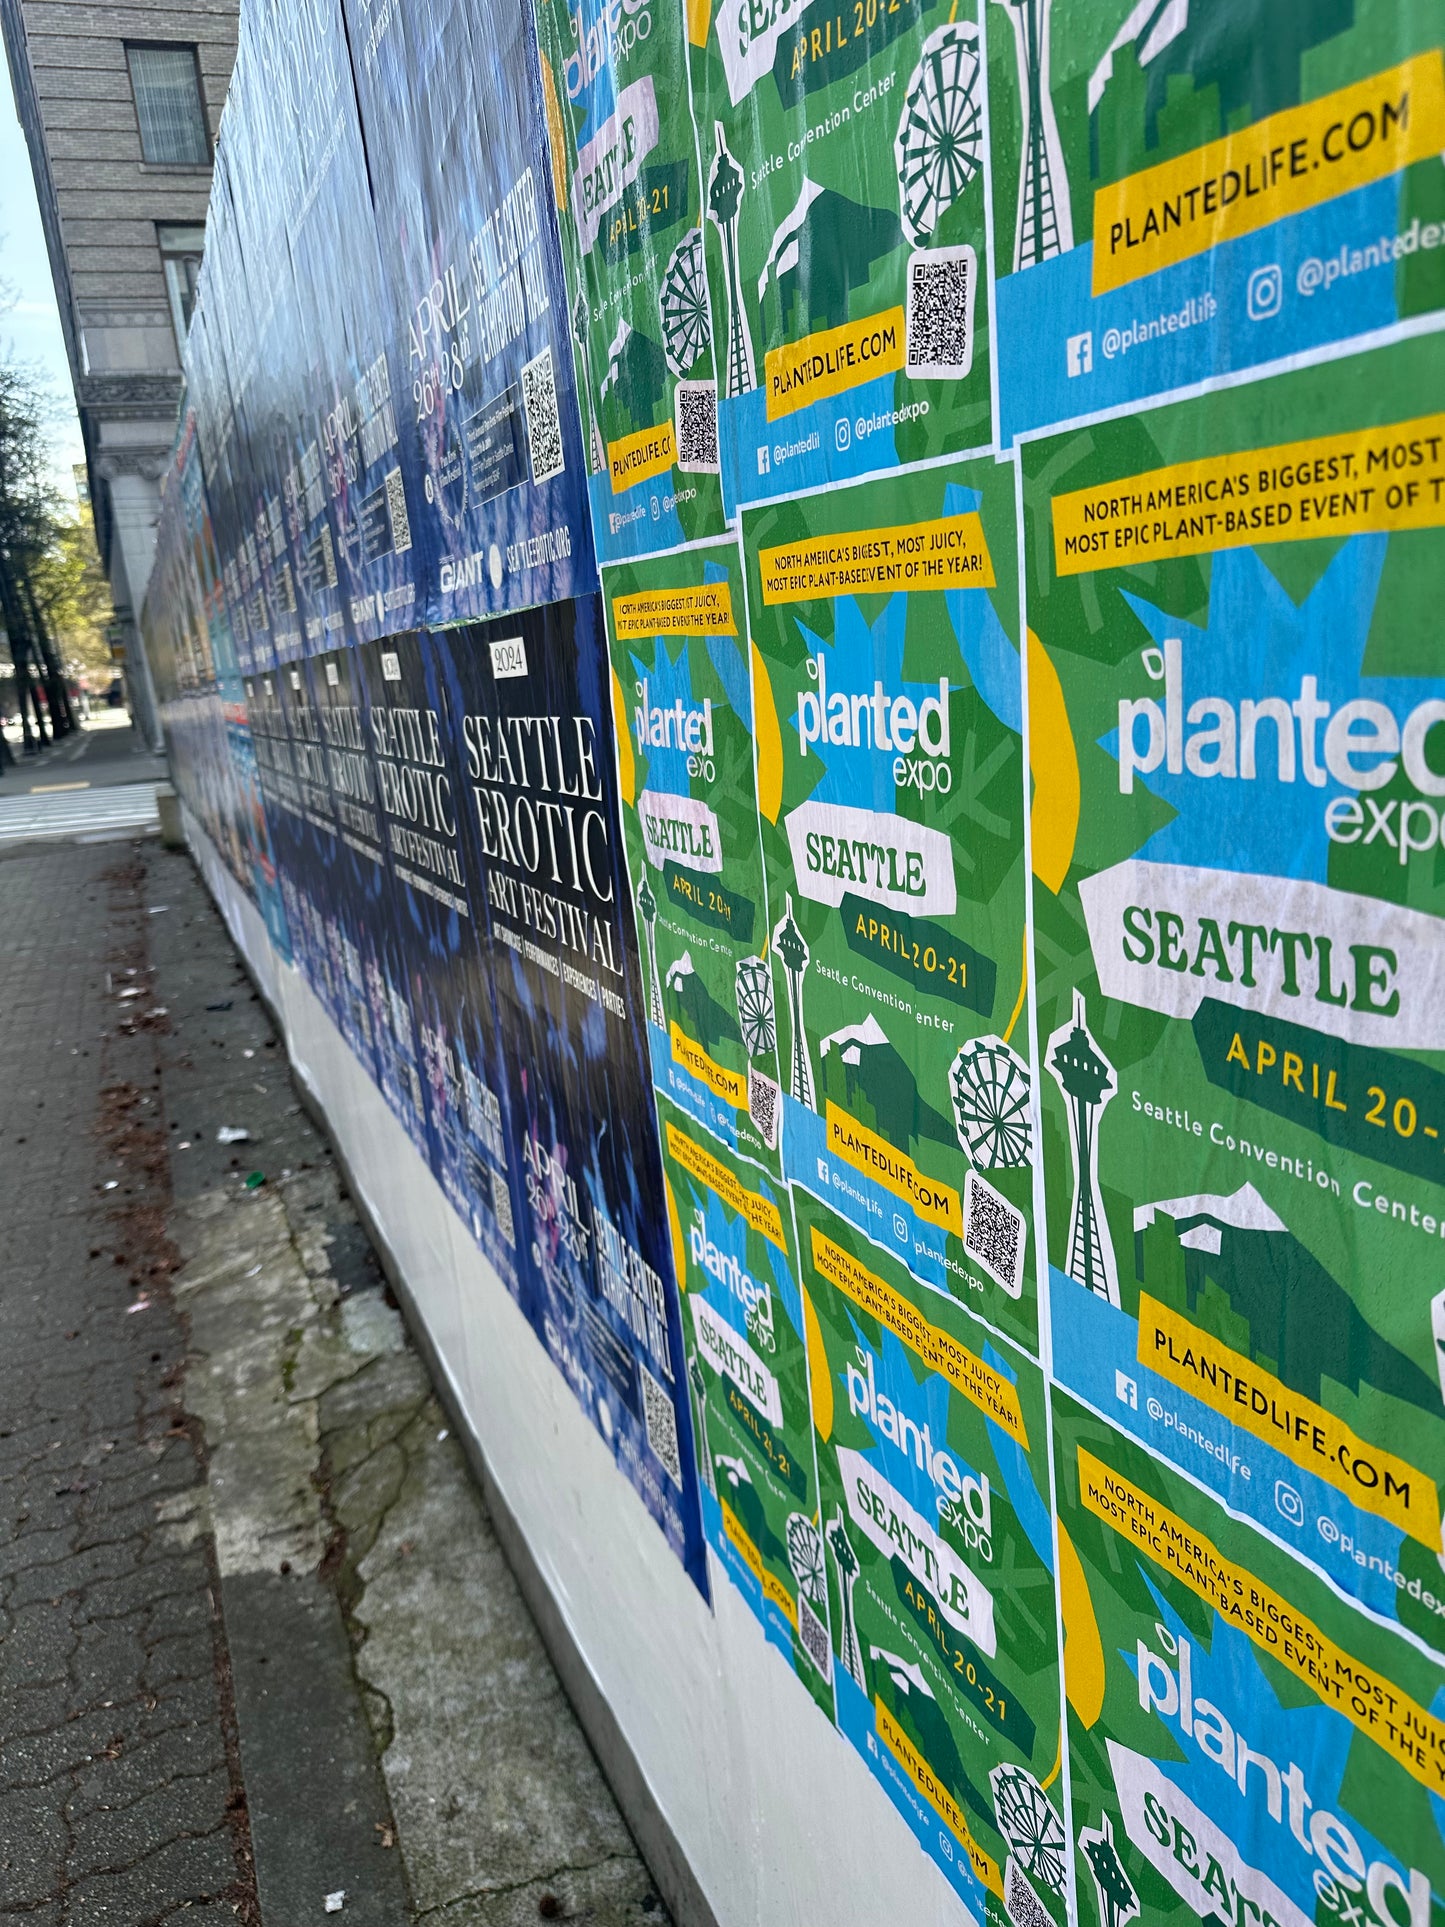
(624, 175)
(742, 1318)
(887, 696)
(933, 1480)
(1243, 1747)
(1184, 192)
(682, 709)
(1238, 764)
(842, 153)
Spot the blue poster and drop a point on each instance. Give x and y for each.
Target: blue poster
(469, 244)
(367, 944)
(438, 916)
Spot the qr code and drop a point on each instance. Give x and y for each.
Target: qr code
(396, 509)
(763, 1095)
(1025, 1909)
(813, 1638)
(939, 329)
(502, 1209)
(660, 1416)
(695, 424)
(544, 425)
(994, 1234)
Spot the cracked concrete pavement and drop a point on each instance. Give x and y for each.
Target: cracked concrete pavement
(258, 1639)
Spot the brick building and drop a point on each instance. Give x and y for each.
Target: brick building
(120, 107)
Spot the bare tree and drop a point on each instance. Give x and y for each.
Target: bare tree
(29, 527)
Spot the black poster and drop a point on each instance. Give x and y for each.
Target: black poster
(542, 819)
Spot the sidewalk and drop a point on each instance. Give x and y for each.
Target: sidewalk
(258, 1643)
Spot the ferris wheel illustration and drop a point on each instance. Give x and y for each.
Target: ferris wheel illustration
(990, 1086)
(805, 1556)
(940, 131)
(682, 304)
(1028, 1822)
(755, 1006)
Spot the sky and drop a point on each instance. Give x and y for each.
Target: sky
(30, 323)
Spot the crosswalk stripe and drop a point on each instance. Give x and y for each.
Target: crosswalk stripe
(129, 806)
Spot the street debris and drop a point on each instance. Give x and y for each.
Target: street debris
(232, 1134)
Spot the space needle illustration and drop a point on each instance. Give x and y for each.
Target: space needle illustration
(724, 197)
(788, 939)
(1086, 1079)
(596, 456)
(697, 1378)
(647, 904)
(1045, 224)
(850, 1653)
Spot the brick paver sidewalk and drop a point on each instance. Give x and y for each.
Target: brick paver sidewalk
(120, 1798)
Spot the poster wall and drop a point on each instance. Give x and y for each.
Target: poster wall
(816, 628)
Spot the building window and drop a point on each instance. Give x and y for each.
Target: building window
(166, 83)
(181, 258)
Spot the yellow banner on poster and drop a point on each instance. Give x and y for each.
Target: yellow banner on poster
(832, 361)
(743, 1543)
(637, 458)
(947, 553)
(1370, 480)
(777, 1594)
(705, 609)
(1413, 1738)
(730, 1086)
(965, 1371)
(935, 1202)
(936, 1794)
(1288, 162)
(1306, 1433)
(741, 1540)
(761, 1213)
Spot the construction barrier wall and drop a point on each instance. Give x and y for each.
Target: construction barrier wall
(799, 644)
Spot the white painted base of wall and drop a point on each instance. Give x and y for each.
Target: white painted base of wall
(751, 1810)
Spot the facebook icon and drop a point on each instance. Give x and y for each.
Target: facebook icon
(1080, 350)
